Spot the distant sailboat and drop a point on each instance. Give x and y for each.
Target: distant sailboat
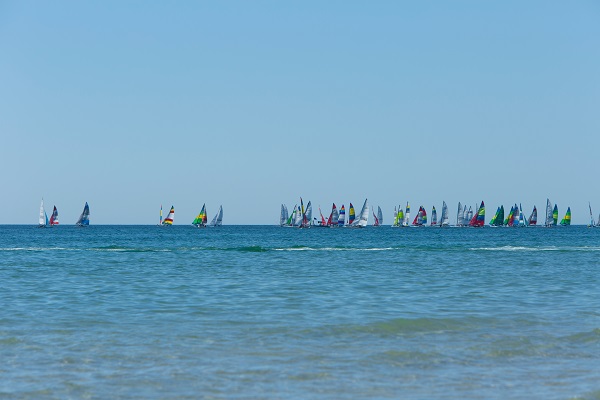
(478, 220)
(555, 215)
(169, 220)
(444, 220)
(399, 218)
(351, 215)
(84, 218)
(533, 217)
(566, 221)
(549, 220)
(498, 219)
(201, 219)
(43, 216)
(459, 215)
(433, 217)
(54, 217)
(160, 219)
(363, 217)
(218, 219)
(522, 219)
(333, 217)
(342, 217)
(283, 217)
(306, 215)
(420, 218)
(592, 223)
(406, 221)
(378, 217)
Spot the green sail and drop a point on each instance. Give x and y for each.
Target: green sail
(566, 221)
(555, 214)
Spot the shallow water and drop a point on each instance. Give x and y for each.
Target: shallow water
(269, 312)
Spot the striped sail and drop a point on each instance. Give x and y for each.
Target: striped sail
(54, 217)
(351, 215)
(478, 220)
(201, 218)
(84, 218)
(566, 221)
(342, 217)
(170, 216)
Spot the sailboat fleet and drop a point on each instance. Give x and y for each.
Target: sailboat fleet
(301, 217)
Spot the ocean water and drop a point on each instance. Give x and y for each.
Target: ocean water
(268, 312)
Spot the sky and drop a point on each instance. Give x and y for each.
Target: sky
(132, 104)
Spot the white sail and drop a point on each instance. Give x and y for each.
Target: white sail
(42, 214)
(284, 215)
(308, 214)
(379, 215)
(363, 217)
(298, 217)
(218, 219)
(549, 218)
(444, 219)
(407, 215)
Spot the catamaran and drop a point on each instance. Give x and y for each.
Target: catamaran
(333, 217)
(549, 220)
(201, 219)
(399, 218)
(406, 216)
(54, 217)
(592, 223)
(555, 215)
(351, 215)
(378, 217)
(43, 216)
(421, 218)
(533, 217)
(478, 220)
(433, 217)
(342, 217)
(306, 215)
(84, 218)
(459, 215)
(169, 220)
(498, 219)
(363, 217)
(566, 221)
(283, 217)
(444, 220)
(218, 219)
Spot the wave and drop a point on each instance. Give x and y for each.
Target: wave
(333, 249)
(543, 248)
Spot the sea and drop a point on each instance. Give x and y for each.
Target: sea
(263, 312)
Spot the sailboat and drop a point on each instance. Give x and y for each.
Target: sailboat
(459, 215)
(333, 217)
(218, 219)
(399, 218)
(322, 222)
(549, 220)
(306, 215)
(84, 218)
(378, 217)
(201, 219)
(283, 217)
(169, 220)
(160, 218)
(522, 219)
(592, 223)
(43, 216)
(342, 217)
(444, 220)
(406, 216)
(351, 215)
(478, 220)
(433, 217)
(289, 222)
(421, 218)
(533, 217)
(555, 215)
(54, 217)
(363, 217)
(498, 219)
(566, 221)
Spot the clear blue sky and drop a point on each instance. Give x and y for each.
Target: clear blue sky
(250, 104)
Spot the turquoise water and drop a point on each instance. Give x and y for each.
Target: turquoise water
(269, 312)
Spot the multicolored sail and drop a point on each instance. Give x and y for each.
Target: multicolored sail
(351, 215)
(307, 216)
(84, 218)
(200, 220)
(433, 217)
(333, 217)
(406, 215)
(533, 217)
(54, 217)
(555, 215)
(342, 218)
(566, 221)
(160, 218)
(478, 219)
(498, 218)
(170, 217)
(376, 222)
